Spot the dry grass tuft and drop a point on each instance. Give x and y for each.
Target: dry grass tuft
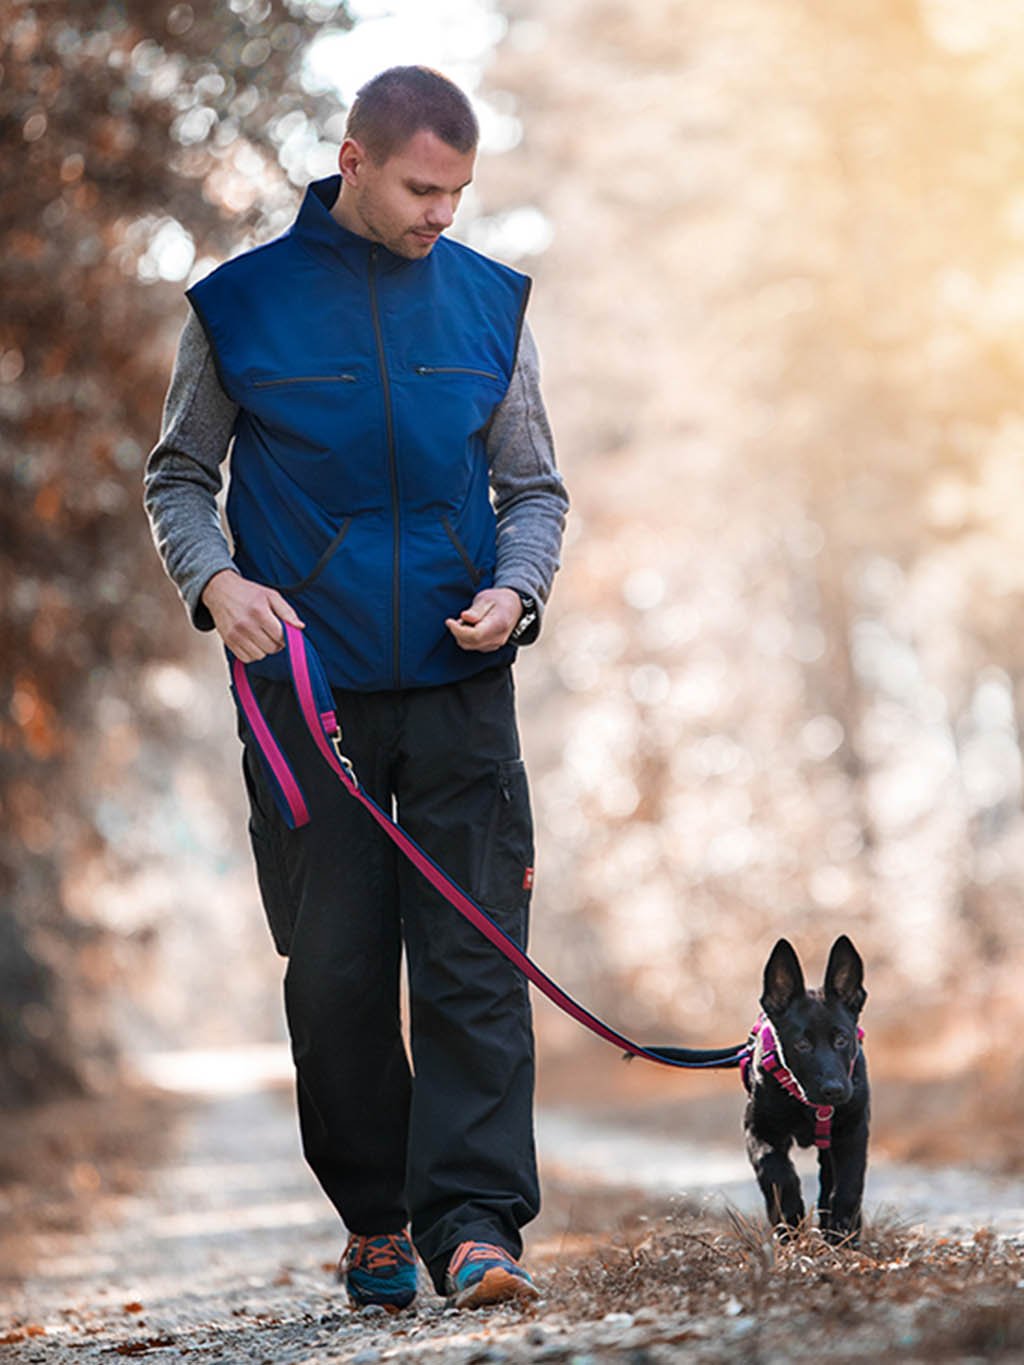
(945, 1296)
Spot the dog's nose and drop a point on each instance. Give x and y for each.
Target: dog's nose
(835, 1092)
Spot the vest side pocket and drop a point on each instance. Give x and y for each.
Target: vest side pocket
(475, 574)
(333, 546)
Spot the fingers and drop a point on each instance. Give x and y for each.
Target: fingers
(485, 634)
(476, 612)
(487, 622)
(284, 610)
(255, 639)
(249, 617)
(467, 639)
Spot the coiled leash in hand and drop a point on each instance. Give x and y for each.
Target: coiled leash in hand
(316, 703)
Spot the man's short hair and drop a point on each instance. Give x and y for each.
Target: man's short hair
(392, 107)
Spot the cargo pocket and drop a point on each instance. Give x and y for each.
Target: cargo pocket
(266, 838)
(505, 876)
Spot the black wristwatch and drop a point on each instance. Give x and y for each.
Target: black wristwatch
(525, 630)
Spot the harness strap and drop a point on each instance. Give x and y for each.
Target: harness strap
(316, 705)
(773, 1061)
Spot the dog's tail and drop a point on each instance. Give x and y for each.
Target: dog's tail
(709, 1057)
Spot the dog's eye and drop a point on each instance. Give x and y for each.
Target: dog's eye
(841, 1039)
(803, 1045)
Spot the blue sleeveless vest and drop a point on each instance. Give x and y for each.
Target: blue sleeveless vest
(359, 482)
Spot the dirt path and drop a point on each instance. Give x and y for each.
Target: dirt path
(226, 1250)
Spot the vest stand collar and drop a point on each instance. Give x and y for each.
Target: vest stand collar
(316, 226)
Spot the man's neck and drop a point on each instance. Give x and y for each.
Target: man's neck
(343, 212)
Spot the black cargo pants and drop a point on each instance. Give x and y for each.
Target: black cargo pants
(448, 1143)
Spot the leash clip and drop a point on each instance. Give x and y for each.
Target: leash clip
(343, 759)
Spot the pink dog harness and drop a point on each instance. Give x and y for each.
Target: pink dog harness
(773, 1061)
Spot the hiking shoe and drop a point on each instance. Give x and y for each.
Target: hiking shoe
(480, 1273)
(379, 1270)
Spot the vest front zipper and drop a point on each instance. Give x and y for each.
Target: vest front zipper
(396, 525)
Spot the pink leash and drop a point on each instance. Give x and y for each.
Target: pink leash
(317, 707)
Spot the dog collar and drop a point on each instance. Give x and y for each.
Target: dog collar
(773, 1061)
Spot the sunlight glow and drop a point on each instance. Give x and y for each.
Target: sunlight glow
(170, 254)
(454, 35)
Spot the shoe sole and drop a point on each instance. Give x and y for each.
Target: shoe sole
(496, 1286)
(390, 1305)
(357, 1306)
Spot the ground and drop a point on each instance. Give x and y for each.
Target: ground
(172, 1224)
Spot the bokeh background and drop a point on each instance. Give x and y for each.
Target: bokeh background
(778, 249)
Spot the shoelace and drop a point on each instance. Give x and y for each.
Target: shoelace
(378, 1253)
(479, 1251)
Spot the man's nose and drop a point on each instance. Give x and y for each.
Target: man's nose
(442, 213)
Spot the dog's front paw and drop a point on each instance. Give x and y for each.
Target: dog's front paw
(838, 1233)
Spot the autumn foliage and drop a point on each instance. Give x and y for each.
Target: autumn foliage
(135, 137)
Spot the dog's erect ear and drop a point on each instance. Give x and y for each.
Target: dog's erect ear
(783, 979)
(844, 975)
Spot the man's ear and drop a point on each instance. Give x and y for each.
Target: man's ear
(844, 975)
(351, 158)
(783, 979)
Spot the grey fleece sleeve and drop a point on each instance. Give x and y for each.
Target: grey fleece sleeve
(529, 496)
(183, 474)
(183, 478)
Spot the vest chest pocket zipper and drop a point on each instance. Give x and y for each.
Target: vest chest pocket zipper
(457, 369)
(305, 379)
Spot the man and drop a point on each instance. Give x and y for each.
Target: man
(393, 492)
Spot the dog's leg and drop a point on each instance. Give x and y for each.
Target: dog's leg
(779, 1182)
(842, 1171)
(826, 1186)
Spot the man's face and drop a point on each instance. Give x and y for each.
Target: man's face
(409, 200)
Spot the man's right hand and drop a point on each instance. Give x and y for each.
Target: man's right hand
(248, 615)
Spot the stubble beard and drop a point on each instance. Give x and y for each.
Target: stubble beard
(403, 243)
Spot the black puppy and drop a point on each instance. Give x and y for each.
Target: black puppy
(808, 1082)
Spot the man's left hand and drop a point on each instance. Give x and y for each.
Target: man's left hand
(488, 621)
